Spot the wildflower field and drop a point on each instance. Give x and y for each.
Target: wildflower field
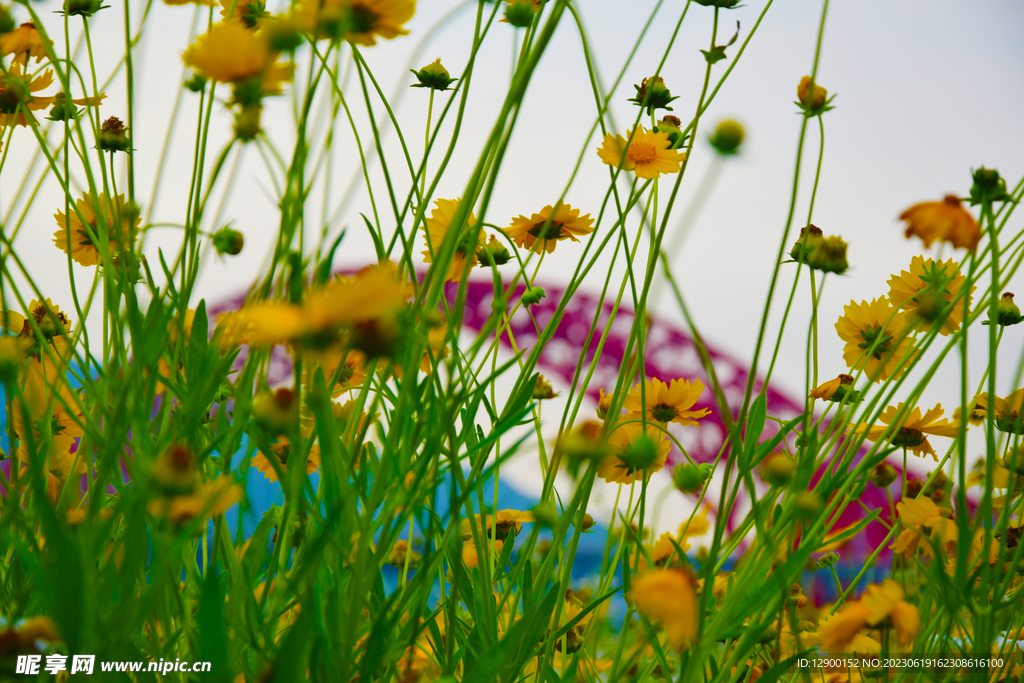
(289, 395)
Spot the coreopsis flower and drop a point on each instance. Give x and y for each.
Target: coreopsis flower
(325, 311)
(520, 13)
(836, 390)
(505, 523)
(911, 432)
(13, 353)
(281, 450)
(880, 606)
(53, 422)
(666, 403)
(649, 154)
(18, 95)
(924, 525)
(212, 499)
(466, 248)
(1008, 413)
(876, 339)
(113, 217)
(945, 221)
(604, 404)
(357, 21)
(231, 53)
(543, 230)
(542, 389)
(667, 597)
(633, 453)
(24, 42)
(927, 292)
(250, 13)
(54, 327)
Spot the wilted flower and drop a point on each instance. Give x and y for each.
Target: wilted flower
(945, 221)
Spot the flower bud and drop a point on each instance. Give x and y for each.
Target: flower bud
(520, 13)
(113, 136)
(808, 505)
(63, 109)
(433, 76)
(276, 410)
(542, 389)
(400, 553)
(587, 524)
(691, 478)
(533, 295)
(727, 137)
(827, 560)
(812, 97)
(778, 469)
(672, 126)
(829, 256)
(228, 241)
(988, 186)
(652, 93)
(604, 404)
(640, 454)
(882, 475)
(936, 489)
(1014, 460)
(545, 516)
(810, 237)
(175, 471)
(82, 8)
(494, 252)
(1008, 312)
(913, 489)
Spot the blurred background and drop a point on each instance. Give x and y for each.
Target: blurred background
(925, 90)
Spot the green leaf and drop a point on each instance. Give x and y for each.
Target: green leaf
(213, 645)
(378, 246)
(326, 265)
(715, 54)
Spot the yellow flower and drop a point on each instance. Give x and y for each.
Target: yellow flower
(922, 519)
(910, 433)
(119, 221)
(668, 402)
(876, 339)
(367, 19)
(214, 498)
(649, 154)
(438, 224)
(623, 465)
(52, 426)
(17, 94)
(24, 42)
(282, 451)
(506, 523)
(927, 291)
(54, 327)
(231, 53)
(667, 597)
(542, 231)
(1009, 411)
(945, 221)
(827, 390)
(373, 294)
(361, 20)
(880, 603)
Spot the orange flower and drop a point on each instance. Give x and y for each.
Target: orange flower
(668, 597)
(911, 432)
(946, 221)
(668, 402)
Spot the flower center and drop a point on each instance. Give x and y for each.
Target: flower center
(908, 437)
(547, 231)
(642, 152)
(663, 412)
(361, 20)
(876, 339)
